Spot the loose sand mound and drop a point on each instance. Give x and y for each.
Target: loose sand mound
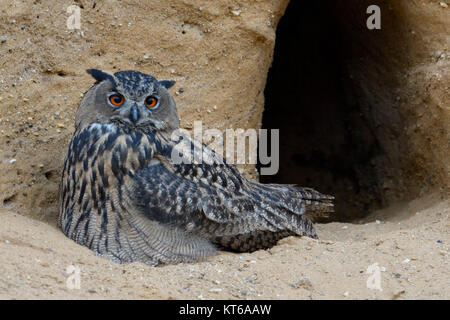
(409, 244)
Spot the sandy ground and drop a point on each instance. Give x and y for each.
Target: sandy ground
(407, 245)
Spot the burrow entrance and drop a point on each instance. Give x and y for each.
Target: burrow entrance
(327, 91)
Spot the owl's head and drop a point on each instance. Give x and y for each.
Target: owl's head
(129, 99)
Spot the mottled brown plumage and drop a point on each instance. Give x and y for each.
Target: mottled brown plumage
(125, 198)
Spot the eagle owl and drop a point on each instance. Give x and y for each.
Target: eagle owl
(124, 197)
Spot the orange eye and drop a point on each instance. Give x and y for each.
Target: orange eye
(151, 101)
(116, 99)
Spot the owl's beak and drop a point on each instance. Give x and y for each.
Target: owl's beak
(134, 114)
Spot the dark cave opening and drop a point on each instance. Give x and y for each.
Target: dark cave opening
(327, 140)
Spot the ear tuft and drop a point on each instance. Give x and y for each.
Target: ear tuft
(167, 83)
(100, 75)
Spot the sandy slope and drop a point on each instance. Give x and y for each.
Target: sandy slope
(411, 248)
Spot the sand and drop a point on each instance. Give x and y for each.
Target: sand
(407, 246)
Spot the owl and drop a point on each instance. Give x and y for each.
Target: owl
(125, 198)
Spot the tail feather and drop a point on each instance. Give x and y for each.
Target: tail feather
(298, 200)
(287, 210)
(318, 205)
